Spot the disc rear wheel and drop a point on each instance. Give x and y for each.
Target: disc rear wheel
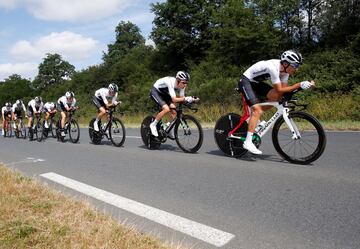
(230, 146)
(147, 137)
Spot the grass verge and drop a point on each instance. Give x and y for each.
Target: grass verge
(33, 216)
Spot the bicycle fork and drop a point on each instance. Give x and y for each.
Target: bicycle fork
(291, 124)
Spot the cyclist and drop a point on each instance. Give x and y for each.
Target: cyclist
(163, 93)
(50, 111)
(254, 89)
(35, 107)
(101, 101)
(66, 103)
(6, 113)
(18, 111)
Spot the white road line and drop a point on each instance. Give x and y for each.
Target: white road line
(133, 137)
(202, 232)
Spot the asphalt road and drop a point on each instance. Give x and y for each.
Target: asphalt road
(263, 202)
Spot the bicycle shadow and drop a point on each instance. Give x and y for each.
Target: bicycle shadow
(248, 157)
(165, 147)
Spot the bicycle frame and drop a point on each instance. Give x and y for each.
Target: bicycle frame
(179, 115)
(282, 111)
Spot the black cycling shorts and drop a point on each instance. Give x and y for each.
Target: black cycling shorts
(253, 92)
(160, 98)
(98, 102)
(60, 106)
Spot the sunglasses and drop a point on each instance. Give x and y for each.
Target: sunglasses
(184, 82)
(295, 65)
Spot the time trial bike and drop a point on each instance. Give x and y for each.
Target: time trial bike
(188, 132)
(113, 129)
(297, 136)
(71, 127)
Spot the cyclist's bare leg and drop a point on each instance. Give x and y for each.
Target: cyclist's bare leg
(160, 115)
(29, 122)
(256, 112)
(63, 117)
(172, 111)
(102, 112)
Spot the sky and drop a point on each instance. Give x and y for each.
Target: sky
(78, 30)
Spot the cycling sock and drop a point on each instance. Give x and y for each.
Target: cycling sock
(249, 136)
(155, 122)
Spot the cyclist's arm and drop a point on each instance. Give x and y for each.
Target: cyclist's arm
(285, 88)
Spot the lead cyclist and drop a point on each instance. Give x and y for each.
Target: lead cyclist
(254, 89)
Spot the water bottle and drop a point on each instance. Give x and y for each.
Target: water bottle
(260, 126)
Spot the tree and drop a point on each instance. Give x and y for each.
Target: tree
(339, 22)
(127, 37)
(53, 71)
(183, 29)
(15, 87)
(240, 37)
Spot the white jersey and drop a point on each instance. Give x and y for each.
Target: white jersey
(264, 70)
(103, 93)
(5, 109)
(36, 106)
(168, 84)
(64, 101)
(15, 107)
(47, 106)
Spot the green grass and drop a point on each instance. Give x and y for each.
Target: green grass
(33, 216)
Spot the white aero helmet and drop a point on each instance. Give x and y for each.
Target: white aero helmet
(69, 94)
(184, 76)
(113, 87)
(292, 57)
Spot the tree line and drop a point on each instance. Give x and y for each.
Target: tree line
(215, 41)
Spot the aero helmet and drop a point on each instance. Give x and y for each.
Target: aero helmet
(181, 75)
(291, 57)
(113, 87)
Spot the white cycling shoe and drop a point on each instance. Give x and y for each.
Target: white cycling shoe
(46, 125)
(96, 126)
(251, 148)
(154, 130)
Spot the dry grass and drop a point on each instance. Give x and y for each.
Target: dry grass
(32, 216)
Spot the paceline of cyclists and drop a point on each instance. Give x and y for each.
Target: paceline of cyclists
(164, 94)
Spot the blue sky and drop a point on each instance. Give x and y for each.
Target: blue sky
(78, 30)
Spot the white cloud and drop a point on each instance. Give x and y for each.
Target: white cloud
(70, 10)
(69, 45)
(26, 70)
(9, 4)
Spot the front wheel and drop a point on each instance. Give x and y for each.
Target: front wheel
(305, 149)
(117, 132)
(74, 131)
(22, 130)
(52, 128)
(39, 131)
(188, 134)
(230, 146)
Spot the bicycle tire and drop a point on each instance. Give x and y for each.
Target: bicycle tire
(22, 130)
(74, 131)
(146, 136)
(318, 134)
(52, 128)
(94, 137)
(117, 130)
(225, 124)
(58, 131)
(187, 131)
(39, 130)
